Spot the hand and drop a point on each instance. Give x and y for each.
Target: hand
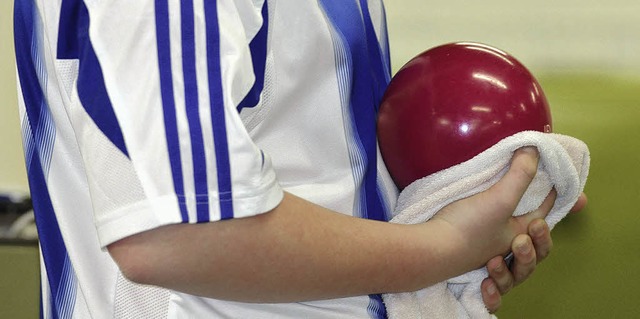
(483, 224)
(536, 246)
(528, 250)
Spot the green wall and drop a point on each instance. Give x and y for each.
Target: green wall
(19, 282)
(593, 271)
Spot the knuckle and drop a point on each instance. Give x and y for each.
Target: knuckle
(528, 170)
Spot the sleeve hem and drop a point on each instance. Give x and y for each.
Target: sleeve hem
(153, 213)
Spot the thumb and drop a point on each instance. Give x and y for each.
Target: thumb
(508, 191)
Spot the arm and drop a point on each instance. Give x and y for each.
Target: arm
(300, 251)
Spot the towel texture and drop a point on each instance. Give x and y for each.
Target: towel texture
(563, 165)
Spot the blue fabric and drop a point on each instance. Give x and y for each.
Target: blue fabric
(366, 93)
(258, 47)
(217, 110)
(367, 84)
(379, 77)
(74, 43)
(39, 137)
(168, 103)
(192, 106)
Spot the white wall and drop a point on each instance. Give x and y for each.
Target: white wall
(543, 34)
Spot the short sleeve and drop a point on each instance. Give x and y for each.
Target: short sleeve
(156, 117)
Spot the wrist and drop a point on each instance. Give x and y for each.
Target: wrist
(457, 252)
(429, 253)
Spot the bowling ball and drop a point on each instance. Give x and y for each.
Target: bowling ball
(452, 102)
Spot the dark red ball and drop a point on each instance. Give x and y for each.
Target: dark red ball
(452, 102)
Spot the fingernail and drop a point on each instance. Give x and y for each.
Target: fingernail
(499, 269)
(523, 247)
(491, 289)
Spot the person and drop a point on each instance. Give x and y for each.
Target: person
(208, 159)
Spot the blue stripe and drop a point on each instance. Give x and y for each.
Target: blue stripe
(217, 110)
(65, 297)
(376, 308)
(366, 86)
(39, 132)
(365, 92)
(354, 147)
(74, 43)
(60, 274)
(68, 40)
(168, 102)
(27, 141)
(44, 136)
(192, 106)
(258, 47)
(377, 63)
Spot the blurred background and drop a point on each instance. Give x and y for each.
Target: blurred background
(19, 263)
(586, 55)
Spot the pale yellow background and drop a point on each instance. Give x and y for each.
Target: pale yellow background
(12, 170)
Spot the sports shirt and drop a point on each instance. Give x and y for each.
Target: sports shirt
(138, 114)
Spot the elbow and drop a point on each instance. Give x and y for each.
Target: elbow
(132, 260)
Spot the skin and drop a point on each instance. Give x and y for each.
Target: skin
(529, 250)
(300, 251)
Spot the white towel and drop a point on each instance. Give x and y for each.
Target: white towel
(563, 165)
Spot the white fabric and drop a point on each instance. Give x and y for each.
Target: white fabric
(136, 101)
(563, 165)
(100, 195)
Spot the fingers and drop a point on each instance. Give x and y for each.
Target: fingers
(500, 274)
(490, 295)
(580, 204)
(502, 279)
(528, 251)
(541, 236)
(525, 258)
(510, 188)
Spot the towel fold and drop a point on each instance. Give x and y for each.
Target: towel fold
(563, 165)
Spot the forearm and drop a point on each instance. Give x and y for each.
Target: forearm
(299, 251)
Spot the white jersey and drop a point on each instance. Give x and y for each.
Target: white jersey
(138, 114)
